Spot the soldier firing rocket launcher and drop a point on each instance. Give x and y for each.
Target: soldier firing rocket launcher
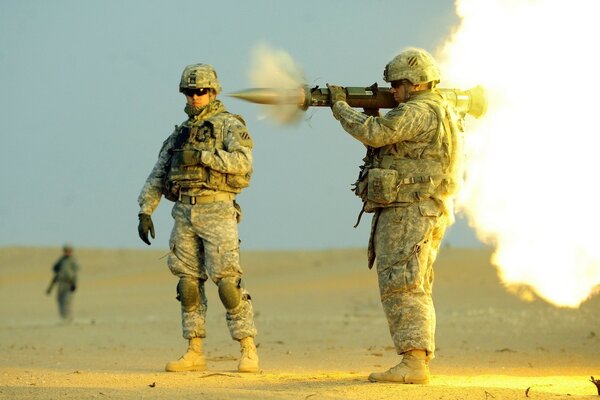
(371, 98)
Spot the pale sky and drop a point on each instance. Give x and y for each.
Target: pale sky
(89, 91)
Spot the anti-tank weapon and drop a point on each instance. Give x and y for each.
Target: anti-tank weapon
(370, 98)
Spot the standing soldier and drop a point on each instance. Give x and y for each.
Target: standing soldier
(201, 166)
(65, 276)
(408, 179)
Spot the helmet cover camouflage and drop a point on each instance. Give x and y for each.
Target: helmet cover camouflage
(415, 65)
(197, 76)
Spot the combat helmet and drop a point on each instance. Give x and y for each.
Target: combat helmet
(197, 76)
(415, 65)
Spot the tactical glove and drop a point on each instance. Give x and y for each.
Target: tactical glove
(336, 93)
(145, 225)
(190, 157)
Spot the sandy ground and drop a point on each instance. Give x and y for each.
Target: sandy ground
(321, 332)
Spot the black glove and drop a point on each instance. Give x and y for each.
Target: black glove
(73, 287)
(336, 93)
(190, 157)
(145, 225)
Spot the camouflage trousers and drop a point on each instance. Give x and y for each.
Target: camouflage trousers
(204, 244)
(64, 297)
(406, 241)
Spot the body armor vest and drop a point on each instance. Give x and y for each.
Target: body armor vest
(204, 135)
(409, 171)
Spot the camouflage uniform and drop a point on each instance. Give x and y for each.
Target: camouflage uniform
(204, 241)
(65, 277)
(407, 183)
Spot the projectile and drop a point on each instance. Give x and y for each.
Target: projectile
(271, 96)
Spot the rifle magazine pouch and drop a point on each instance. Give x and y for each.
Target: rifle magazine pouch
(382, 185)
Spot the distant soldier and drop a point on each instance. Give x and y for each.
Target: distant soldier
(409, 177)
(202, 166)
(65, 277)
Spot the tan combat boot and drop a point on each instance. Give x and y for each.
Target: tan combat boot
(413, 369)
(249, 360)
(192, 360)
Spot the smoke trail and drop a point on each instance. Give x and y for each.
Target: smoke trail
(272, 68)
(531, 187)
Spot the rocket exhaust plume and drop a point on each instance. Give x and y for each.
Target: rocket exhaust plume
(272, 68)
(533, 162)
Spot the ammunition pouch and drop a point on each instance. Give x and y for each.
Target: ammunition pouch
(207, 136)
(403, 181)
(382, 185)
(171, 190)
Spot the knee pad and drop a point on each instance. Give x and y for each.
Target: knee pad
(188, 293)
(230, 292)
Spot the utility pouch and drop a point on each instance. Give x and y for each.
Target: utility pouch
(382, 185)
(171, 190)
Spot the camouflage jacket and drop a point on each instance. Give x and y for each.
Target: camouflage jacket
(66, 269)
(226, 152)
(413, 150)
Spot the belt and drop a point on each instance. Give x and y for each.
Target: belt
(185, 199)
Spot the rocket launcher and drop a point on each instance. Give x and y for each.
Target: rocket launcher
(371, 98)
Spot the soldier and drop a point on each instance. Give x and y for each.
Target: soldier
(65, 275)
(201, 166)
(407, 181)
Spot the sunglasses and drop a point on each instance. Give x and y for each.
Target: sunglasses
(197, 92)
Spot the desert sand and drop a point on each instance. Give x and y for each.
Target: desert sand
(321, 332)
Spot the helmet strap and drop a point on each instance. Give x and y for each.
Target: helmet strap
(407, 89)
